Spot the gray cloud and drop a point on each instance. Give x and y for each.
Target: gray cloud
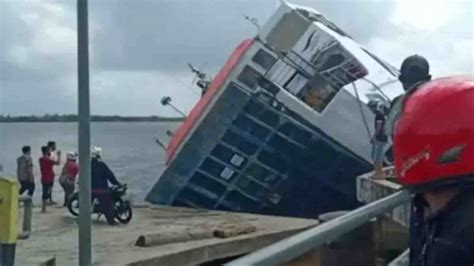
(167, 34)
(140, 48)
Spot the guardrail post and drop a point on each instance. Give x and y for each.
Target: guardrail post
(27, 217)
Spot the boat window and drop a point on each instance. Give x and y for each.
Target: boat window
(199, 179)
(268, 86)
(249, 77)
(256, 171)
(333, 61)
(295, 133)
(254, 108)
(251, 127)
(264, 59)
(227, 155)
(287, 32)
(318, 93)
(273, 160)
(339, 67)
(250, 187)
(212, 167)
(269, 117)
(239, 142)
(296, 83)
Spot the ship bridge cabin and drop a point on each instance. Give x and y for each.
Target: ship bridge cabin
(301, 57)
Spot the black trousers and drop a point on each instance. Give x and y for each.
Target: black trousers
(47, 191)
(27, 186)
(106, 205)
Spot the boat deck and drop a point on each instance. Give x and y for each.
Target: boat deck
(55, 234)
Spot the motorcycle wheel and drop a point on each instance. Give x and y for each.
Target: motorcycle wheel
(73, 204)
(123, 211)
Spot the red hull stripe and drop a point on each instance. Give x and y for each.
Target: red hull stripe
(199, 108)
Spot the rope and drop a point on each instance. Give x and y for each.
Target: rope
(362, 110)
(377, 88)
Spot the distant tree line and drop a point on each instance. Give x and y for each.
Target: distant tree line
(94, 118)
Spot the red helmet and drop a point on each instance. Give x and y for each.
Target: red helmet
(433, 138)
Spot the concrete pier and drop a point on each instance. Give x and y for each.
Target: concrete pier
(393, 228)
(55, 237)
(370, 190)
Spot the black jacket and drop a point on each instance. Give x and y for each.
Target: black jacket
(445, 238)
(101, 175)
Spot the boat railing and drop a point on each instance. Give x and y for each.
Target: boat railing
(348, 68)
(324, 49)
(310, 239)
(343, 74)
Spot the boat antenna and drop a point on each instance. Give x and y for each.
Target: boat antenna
(252, 20)
(160, 143)
(166, 101)
(169, 133)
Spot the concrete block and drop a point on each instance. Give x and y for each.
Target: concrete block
(231, 230)
(162, 238)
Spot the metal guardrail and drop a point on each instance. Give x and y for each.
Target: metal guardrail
(27, 216)
(402, 260)
(303, 242)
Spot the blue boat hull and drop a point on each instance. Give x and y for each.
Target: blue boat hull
(250, 154)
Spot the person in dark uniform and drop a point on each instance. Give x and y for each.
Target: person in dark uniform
(415, 70)
(101, 176)
(379, 140)
(434, 157)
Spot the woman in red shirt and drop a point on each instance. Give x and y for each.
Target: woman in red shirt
(68, 176)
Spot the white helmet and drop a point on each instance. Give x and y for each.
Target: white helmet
(96, 152)
(72, 155)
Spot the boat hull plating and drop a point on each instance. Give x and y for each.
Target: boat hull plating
(250, 155)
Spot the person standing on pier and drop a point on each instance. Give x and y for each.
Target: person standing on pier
(54, 155)
(24, 172)
(414, 71)
(52, 150)
(434, 157)
(67, 179)
(379, 140)
(47, 175)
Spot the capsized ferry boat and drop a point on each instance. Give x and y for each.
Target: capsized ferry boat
(284, 127)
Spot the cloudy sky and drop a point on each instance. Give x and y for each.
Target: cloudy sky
(140, 48)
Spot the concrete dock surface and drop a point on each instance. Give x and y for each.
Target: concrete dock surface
(55, 235)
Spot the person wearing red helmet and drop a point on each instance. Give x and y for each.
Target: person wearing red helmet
(433, 145)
